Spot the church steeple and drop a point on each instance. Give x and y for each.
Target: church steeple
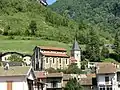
(75, 46)
(76, 52)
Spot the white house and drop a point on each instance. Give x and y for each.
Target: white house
(16, 78)
(108, 76)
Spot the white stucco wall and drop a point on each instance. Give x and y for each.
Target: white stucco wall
(101, 78)
(112, 80)
(18, 83)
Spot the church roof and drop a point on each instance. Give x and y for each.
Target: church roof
(75, 46)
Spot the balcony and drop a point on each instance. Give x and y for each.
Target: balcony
(54, 85)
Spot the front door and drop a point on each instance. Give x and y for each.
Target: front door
(9, 85)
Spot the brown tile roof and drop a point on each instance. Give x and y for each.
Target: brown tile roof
(40, 74)
(66, 76)
(15, 71)
(52, 48)
(55, 54)
(105, 68)
(91, 75)
(52, 75)
(86, 81)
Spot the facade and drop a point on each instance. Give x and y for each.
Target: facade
(49, 57)
(14, 78)
(108, 76)
(51, 81)
(54, 81)
(76, 53)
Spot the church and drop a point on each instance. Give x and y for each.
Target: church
(45, 57)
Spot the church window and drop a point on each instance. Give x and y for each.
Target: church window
(66, 61)
(53, 60)
(46, 59)
(60, 60)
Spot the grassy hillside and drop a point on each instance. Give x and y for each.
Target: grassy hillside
(17, 15)
(102, 13)
(26, 46)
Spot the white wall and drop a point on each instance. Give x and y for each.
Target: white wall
(112, 80)
(18, 83)
(101, 78)
(77, 56)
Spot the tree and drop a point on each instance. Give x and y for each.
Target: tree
(93, 46)
(73, 84)
(104, 53)
(73, 69)
(117, 45)
(15, 57)
(33, 27)
(51, 70)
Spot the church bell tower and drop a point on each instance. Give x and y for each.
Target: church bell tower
(76, 53)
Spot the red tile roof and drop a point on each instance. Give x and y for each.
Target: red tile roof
(55, 54)
(40, 74)
(52, 48)
(73, 60)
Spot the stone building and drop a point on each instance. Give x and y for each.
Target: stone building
(47, 57)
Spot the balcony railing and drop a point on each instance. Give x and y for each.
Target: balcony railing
(55, 85)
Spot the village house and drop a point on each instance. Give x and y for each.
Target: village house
(108, 76)
(18, 77)
(88, 81)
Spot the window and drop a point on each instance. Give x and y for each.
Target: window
(60, 60)
(102, 88)
(53, 60)
(46, 60)
(109, 88)
(66, 61)
(106, 78)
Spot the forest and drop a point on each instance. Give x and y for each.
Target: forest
(103, 14)
(30, 18)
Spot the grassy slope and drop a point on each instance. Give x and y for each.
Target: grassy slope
(26, 46)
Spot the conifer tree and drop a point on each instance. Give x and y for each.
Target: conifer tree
(104, 52)
(93, 46)
(117, 45)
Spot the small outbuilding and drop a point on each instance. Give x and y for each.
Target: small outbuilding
(16, 78)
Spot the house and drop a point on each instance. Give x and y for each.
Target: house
(47, 57)
(66, 78)
(88, 81)
(54, 81)
(41, 77)
(16, 78)
(50, 81)
(108, 76)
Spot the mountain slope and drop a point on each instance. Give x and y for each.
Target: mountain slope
(16, 16)
(103, 13)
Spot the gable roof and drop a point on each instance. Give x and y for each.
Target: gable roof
(54, 75)
(55, 54)
(15, 71)
(105, 68)
(51, 48)
(75, 46)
